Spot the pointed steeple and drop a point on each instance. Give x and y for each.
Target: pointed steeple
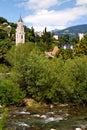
(20, 19)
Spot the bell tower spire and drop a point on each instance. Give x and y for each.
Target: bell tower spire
(20, 34)
(20, 19)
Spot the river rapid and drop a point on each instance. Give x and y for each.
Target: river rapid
(62, 117)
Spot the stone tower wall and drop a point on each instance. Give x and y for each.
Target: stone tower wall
(20, 34)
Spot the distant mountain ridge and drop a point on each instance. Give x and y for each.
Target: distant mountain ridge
(72, 31)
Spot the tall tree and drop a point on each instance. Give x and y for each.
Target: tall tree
(47, 38)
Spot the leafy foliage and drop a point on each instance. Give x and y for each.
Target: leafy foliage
(47, 39)
(50, 80)
(3, 34)
(3, 20)
(5, 45)
(65, 54)
(81, 47)
(3, 120)
(10, 93)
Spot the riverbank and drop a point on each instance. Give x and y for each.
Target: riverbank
(38, 107)
(46, 117)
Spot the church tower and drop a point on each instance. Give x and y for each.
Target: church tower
(20, 34)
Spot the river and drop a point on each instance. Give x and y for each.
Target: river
(61, 117)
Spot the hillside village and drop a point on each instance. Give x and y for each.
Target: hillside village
(19, 33)
(10, 29)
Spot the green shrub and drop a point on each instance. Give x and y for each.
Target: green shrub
(3, 119)
(10, 93)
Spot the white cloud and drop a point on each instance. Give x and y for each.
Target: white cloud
(38, 4)
(81, 2)
(50, 19)
(43, 16)
(41, 4)
(49, 28)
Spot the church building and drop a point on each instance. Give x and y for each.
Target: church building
(20, 34)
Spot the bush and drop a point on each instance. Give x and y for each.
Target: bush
(54, 80)
(3, 120)
(10, 93)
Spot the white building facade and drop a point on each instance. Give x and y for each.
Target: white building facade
(20, 34)
(55, 36)
(81, 35)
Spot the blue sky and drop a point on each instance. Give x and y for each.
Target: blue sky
(53, 14)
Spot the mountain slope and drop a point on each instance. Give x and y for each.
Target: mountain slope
(72, 31)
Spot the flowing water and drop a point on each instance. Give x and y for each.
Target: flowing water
(56, 118)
